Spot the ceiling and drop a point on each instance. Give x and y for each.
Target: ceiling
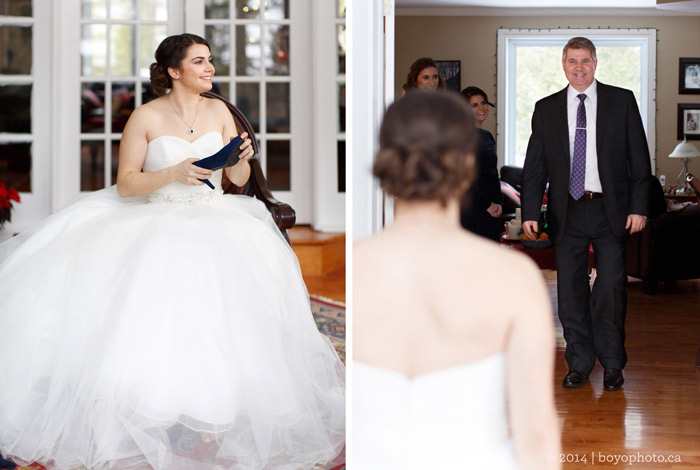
(529, 3)
(689, 6)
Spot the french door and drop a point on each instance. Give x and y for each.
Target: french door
(89, 70)
(25, 163)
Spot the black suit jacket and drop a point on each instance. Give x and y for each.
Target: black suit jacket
(623, 159)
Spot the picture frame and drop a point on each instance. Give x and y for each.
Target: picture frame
(689, 76)
(688, 121)
(449, 70)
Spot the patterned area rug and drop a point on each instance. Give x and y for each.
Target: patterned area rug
(330, 320)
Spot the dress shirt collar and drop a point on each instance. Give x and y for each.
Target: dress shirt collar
(591, 93)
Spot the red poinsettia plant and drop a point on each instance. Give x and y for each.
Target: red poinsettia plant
(6, 198)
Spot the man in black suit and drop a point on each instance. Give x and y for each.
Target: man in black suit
(588, 142)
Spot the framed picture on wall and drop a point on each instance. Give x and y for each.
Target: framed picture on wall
(689, 76)
(449, 71)
(688, 121)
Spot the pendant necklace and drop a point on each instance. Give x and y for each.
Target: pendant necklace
(189, 126)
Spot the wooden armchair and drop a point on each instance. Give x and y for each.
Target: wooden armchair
(283, 214)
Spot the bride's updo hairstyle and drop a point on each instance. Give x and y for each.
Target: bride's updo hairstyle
(170, 53)
(424, 143)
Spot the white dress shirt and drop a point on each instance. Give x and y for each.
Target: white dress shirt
(591, 104)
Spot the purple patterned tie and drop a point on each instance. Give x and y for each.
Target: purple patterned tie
(578, 166)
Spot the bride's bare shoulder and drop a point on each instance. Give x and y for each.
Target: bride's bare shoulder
(494, 259)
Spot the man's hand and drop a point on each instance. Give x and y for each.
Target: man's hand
(530, 227)
(635, 223)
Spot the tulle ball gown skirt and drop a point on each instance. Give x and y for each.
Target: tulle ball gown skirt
(163, 335)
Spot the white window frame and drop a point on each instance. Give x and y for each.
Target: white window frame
(299, 79)
(508, 39)
(66, 97)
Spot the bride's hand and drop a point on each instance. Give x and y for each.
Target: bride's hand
(187, 173)
(246, 147)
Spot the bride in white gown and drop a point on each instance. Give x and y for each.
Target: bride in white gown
(452, 334)
(161, 324)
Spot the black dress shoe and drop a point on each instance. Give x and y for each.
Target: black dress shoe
(612, 379)
(574, 379)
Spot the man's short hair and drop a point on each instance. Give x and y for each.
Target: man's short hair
(579, 43)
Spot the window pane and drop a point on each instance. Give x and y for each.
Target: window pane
(218, 38)
(341, 107)
(340, 12)
(147, 93)
(93, 50)
(123, 9)
(247, 9)
(92, 164)
(278, 107)
(539, 74)
(276, 9)
(16, 166)
(216, 9)
(16, 7)
(151, 37)
(16, 50)
(122, 50)
(16, 106)
(92, 108)
(278, 175)
(248, 50)
(94, 9)
(277, 49)
(154, 10)
(115, 161)
(123, 102)
(222, 89)
(341, 166)
(341, 49)
(248, 101)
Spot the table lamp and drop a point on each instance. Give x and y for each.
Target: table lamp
(684, 150)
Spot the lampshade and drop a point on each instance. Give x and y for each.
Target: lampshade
(685, 150)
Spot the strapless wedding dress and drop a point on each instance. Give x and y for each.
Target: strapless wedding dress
(453, 418)
(171, 331)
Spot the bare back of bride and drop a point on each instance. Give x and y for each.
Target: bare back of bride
(452, 334)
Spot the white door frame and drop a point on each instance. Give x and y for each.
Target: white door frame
(329, 204)
(370, 89)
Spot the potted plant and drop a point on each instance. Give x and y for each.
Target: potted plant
(6, 198)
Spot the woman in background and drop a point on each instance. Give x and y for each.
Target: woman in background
(483, 205)
(438, 348)
(423, 75)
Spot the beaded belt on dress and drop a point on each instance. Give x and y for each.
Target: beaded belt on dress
(200, 197)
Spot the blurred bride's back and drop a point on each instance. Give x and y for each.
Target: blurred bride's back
(447, 326)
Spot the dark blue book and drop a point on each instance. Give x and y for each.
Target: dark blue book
(226, 157)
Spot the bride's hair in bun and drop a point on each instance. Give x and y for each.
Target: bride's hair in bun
(424, 145)
(170, 53)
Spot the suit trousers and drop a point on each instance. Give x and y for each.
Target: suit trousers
(593, 319)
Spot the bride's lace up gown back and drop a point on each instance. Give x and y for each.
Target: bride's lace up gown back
(166, 331)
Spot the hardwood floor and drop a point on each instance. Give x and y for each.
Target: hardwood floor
(657, 413)
(322, 261)
(331, 286)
